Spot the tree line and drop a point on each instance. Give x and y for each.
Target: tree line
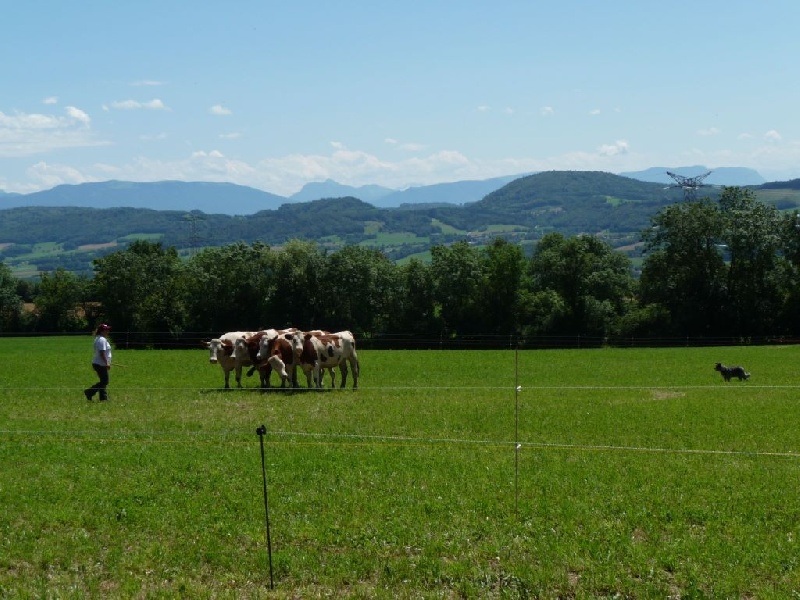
(711, 269)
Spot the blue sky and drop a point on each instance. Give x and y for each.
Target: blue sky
(275, 95)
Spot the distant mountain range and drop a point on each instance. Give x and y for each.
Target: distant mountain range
(613, 207)
(232, 199)
(738, 176)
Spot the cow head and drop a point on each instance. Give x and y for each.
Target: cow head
(218, 348)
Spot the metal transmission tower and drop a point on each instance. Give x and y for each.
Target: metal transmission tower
(689, 184)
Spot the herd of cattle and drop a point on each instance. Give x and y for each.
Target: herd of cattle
(284, 351)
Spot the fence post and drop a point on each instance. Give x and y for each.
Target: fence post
(517, 390)
(261, 431)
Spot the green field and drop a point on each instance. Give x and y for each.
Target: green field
(611, 473)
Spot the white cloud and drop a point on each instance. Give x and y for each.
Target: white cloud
(547, 111)
(617, 148)
(230, 136)
(126, 104)
(27, 134)
(147, 83)
(78, 115)
(594, 112)
(49, 175)
(22, 121)
(51, 100)
(218, 109)
(484, 108)
(287, 174)
(154, 104)
(773, 136)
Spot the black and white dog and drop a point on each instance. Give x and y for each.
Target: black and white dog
(730, 372)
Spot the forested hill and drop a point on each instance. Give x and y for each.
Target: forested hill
(577, 202)
(793, 184)
(571, 202)
(574, 202)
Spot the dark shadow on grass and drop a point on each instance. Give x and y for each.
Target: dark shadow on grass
(269, 390)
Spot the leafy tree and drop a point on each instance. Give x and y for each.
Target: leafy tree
(754, 282)
(10, 302)
(457, 281)
(296, 299)
(60, 296)
(359, 285)
(684, 270)
(583, 282)
(228, 288)
(139, 288)
(415, 313)
(503, 267)
(790, 251)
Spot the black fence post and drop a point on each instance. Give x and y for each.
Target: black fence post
(261, 431)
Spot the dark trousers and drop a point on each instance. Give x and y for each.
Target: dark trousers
(100, 386)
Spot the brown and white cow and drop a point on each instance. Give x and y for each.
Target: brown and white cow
(349, 356)
(259, 348)
(223, 351)
(322, 350)
(279, 356)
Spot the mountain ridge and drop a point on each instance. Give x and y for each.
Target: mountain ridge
(612, 207)
(235, 199)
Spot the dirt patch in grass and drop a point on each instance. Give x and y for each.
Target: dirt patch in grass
(666, 394)
(97, 246)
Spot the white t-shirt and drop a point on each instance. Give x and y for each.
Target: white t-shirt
(101, 346)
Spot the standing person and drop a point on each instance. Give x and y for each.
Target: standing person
(101, 363)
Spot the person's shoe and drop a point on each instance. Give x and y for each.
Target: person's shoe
(88, 394)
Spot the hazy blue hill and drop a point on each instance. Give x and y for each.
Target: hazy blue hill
(458, 192)
(211, 198)
(331, 189)
(739, 176)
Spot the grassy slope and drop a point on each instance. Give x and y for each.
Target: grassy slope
(640, 472)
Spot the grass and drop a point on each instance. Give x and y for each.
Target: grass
(783, 197)
(447, 229)
(639, 474)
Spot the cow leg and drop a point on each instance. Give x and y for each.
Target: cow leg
(355, 367)
(265, 373)
(239, 375)
(309, 371)
(317, 376)
(227, 378)
(343, 369)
